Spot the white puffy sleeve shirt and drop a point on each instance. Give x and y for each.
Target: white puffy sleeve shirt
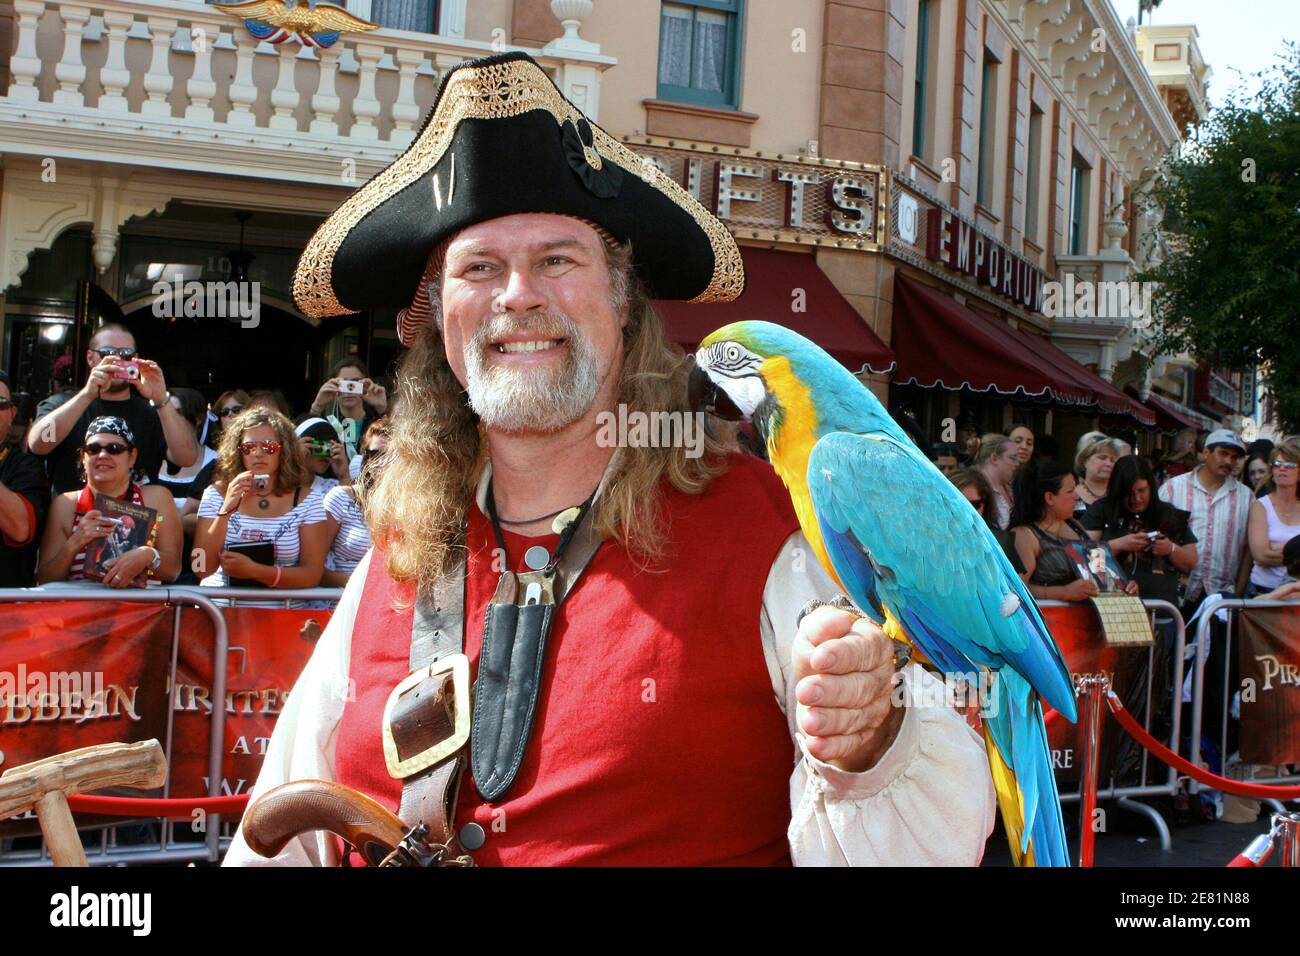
(928, 801)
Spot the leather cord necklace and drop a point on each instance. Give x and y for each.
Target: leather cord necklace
(565, 536)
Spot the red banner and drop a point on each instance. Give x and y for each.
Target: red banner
(1077, 633)
(1269, 659)
(268, 649)
(78, 673)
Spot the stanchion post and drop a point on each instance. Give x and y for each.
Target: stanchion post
(1093, 688)
(1286, 830)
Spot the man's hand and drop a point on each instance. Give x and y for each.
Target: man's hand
(328, 391)
(151, 384)
(100, 378)
(844, 674)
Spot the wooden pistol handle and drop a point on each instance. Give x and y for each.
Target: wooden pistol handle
(291, 809)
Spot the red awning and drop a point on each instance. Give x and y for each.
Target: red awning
(938, 341)
(772, 282)
(1170, 417)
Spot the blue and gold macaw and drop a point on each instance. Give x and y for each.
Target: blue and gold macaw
(907, 548)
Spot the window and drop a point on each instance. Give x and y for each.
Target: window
(988, 126)
(419, 16)
(919, 118)
(699, 52)
(1032, 177)
(1078, 237)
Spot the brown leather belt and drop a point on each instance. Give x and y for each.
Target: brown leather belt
(428, 718)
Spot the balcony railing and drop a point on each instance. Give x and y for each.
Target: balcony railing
(181, 83)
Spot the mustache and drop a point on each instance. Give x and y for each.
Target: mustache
(550, 325)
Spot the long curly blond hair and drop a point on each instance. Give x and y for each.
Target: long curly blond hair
(417, 508)
(293, 464)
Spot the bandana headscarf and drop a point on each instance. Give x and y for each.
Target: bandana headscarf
(111, 425)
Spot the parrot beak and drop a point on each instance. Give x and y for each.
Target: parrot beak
(704, 395)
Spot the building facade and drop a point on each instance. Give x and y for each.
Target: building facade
(925, 187)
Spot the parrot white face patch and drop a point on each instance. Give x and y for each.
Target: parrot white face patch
(745, 392)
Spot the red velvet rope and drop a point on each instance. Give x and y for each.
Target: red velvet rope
(173, 808)
(1239, 787)
(1240, 860)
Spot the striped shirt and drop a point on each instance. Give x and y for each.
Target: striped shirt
(282, 530)
(1219, 521)
(353, 540)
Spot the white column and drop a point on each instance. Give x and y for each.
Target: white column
(406, 112)
(25, 65)
(158, 81)
(452, 18)
(71, 71)
(200, 89)
(284, 98)
(115, 76)
(242, 92)
(366, 106)
(325, 102)
(581, 84)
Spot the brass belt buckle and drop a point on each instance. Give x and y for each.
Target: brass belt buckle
(457, 665)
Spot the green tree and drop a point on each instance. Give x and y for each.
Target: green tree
(1228, 290)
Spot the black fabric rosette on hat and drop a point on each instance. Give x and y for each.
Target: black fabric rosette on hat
(502, 140)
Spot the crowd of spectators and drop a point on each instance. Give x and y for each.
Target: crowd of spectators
(239, 492)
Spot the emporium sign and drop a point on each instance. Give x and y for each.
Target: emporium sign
(926, 230)
(780, 197)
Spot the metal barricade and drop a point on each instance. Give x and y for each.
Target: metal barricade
(211, 601)
(1126, 796)
(1232, 609)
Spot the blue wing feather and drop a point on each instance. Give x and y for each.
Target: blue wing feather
(933, 561)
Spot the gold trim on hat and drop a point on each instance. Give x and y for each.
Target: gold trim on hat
(493, 91)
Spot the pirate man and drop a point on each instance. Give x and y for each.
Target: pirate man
(644, 688)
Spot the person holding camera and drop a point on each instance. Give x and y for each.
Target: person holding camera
(326, 457)
(107, 461)
(1150, 538)
(260, 523)
(350, 401)
(116, 369)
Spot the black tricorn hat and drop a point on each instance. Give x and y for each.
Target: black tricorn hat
(502, 139)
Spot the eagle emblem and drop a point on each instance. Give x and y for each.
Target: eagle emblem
(276, 22)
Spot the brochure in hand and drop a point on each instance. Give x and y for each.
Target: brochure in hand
(133, 524)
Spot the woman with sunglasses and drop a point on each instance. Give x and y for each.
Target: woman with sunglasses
(229, 404)
(258, 495)
(106, 461)
(345, 510)
(1275, 518)
(972, 483)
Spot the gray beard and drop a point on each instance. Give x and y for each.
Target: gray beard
(536, 400)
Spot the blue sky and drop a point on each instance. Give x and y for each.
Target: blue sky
(1240, 34)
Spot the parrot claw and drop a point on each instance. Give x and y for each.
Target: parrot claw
(840, 601)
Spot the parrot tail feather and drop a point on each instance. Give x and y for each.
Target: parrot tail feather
(1010, 803)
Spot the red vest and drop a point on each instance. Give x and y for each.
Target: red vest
(658, 739)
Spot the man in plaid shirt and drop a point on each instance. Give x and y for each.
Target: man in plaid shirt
(1219, 506)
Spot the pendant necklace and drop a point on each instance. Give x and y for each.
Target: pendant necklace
(264, 503)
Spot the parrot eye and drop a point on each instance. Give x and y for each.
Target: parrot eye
(733, 353)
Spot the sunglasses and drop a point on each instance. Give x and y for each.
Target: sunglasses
(6, 404)
(268, 446)
(231, 410)
(1285, 465)
(126, 353)
(113, 448)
